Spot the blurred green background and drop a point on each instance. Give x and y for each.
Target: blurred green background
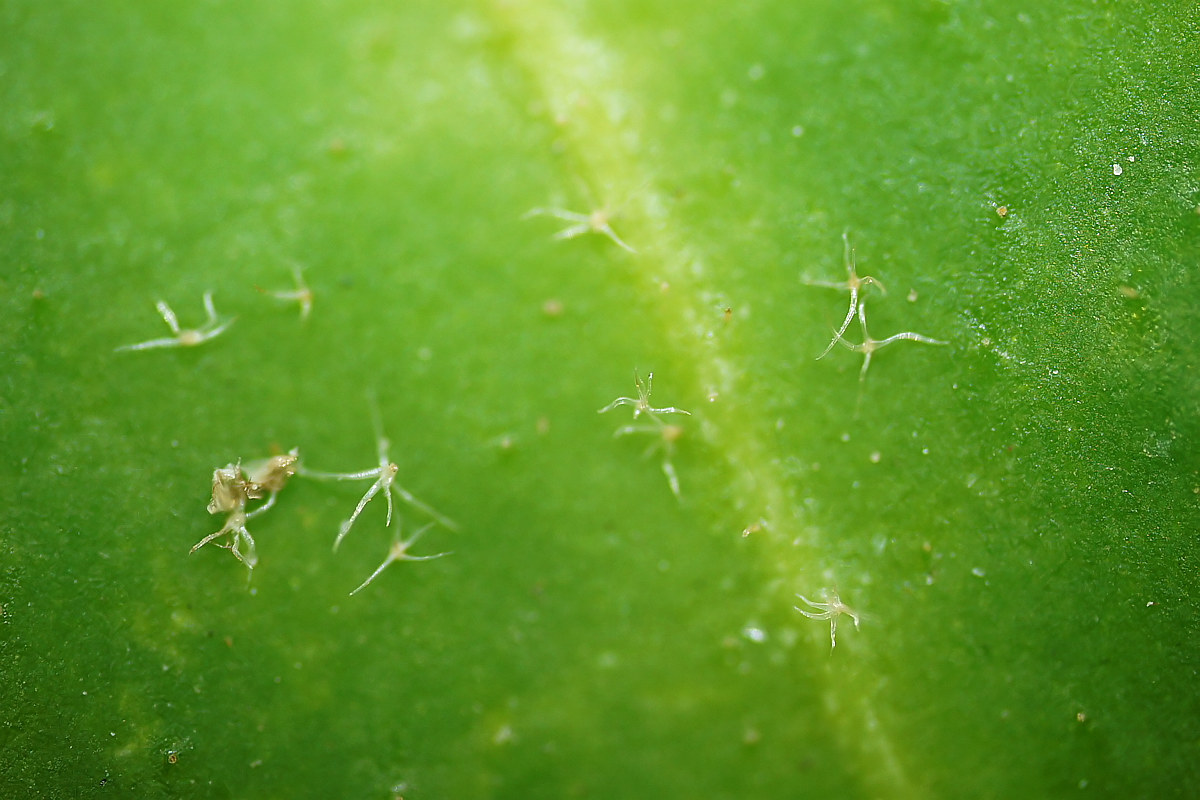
(1013, 515)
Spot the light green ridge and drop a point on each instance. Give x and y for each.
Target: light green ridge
(586, 95)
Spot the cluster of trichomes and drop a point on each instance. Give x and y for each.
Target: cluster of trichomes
(234, 486)
(858, 307)
(832, 607)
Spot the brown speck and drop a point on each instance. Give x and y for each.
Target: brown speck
(229, 641)
(1002, 211)
(552, 307)
(172, 757)
(728, 314)
(38, 294)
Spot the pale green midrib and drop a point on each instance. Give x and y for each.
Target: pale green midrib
(567, 68)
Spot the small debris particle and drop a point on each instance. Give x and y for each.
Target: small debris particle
(912, 295)
(754, 634)
(1002, 211)
(1117, 169)
(1129, 291)
(1132, 159)
(875, 457)
(728, 314)
(1081, 717)
(552, 307)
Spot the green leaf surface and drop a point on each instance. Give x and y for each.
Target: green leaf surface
(1012, 515)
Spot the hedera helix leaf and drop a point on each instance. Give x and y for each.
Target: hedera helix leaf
(1011, 516)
